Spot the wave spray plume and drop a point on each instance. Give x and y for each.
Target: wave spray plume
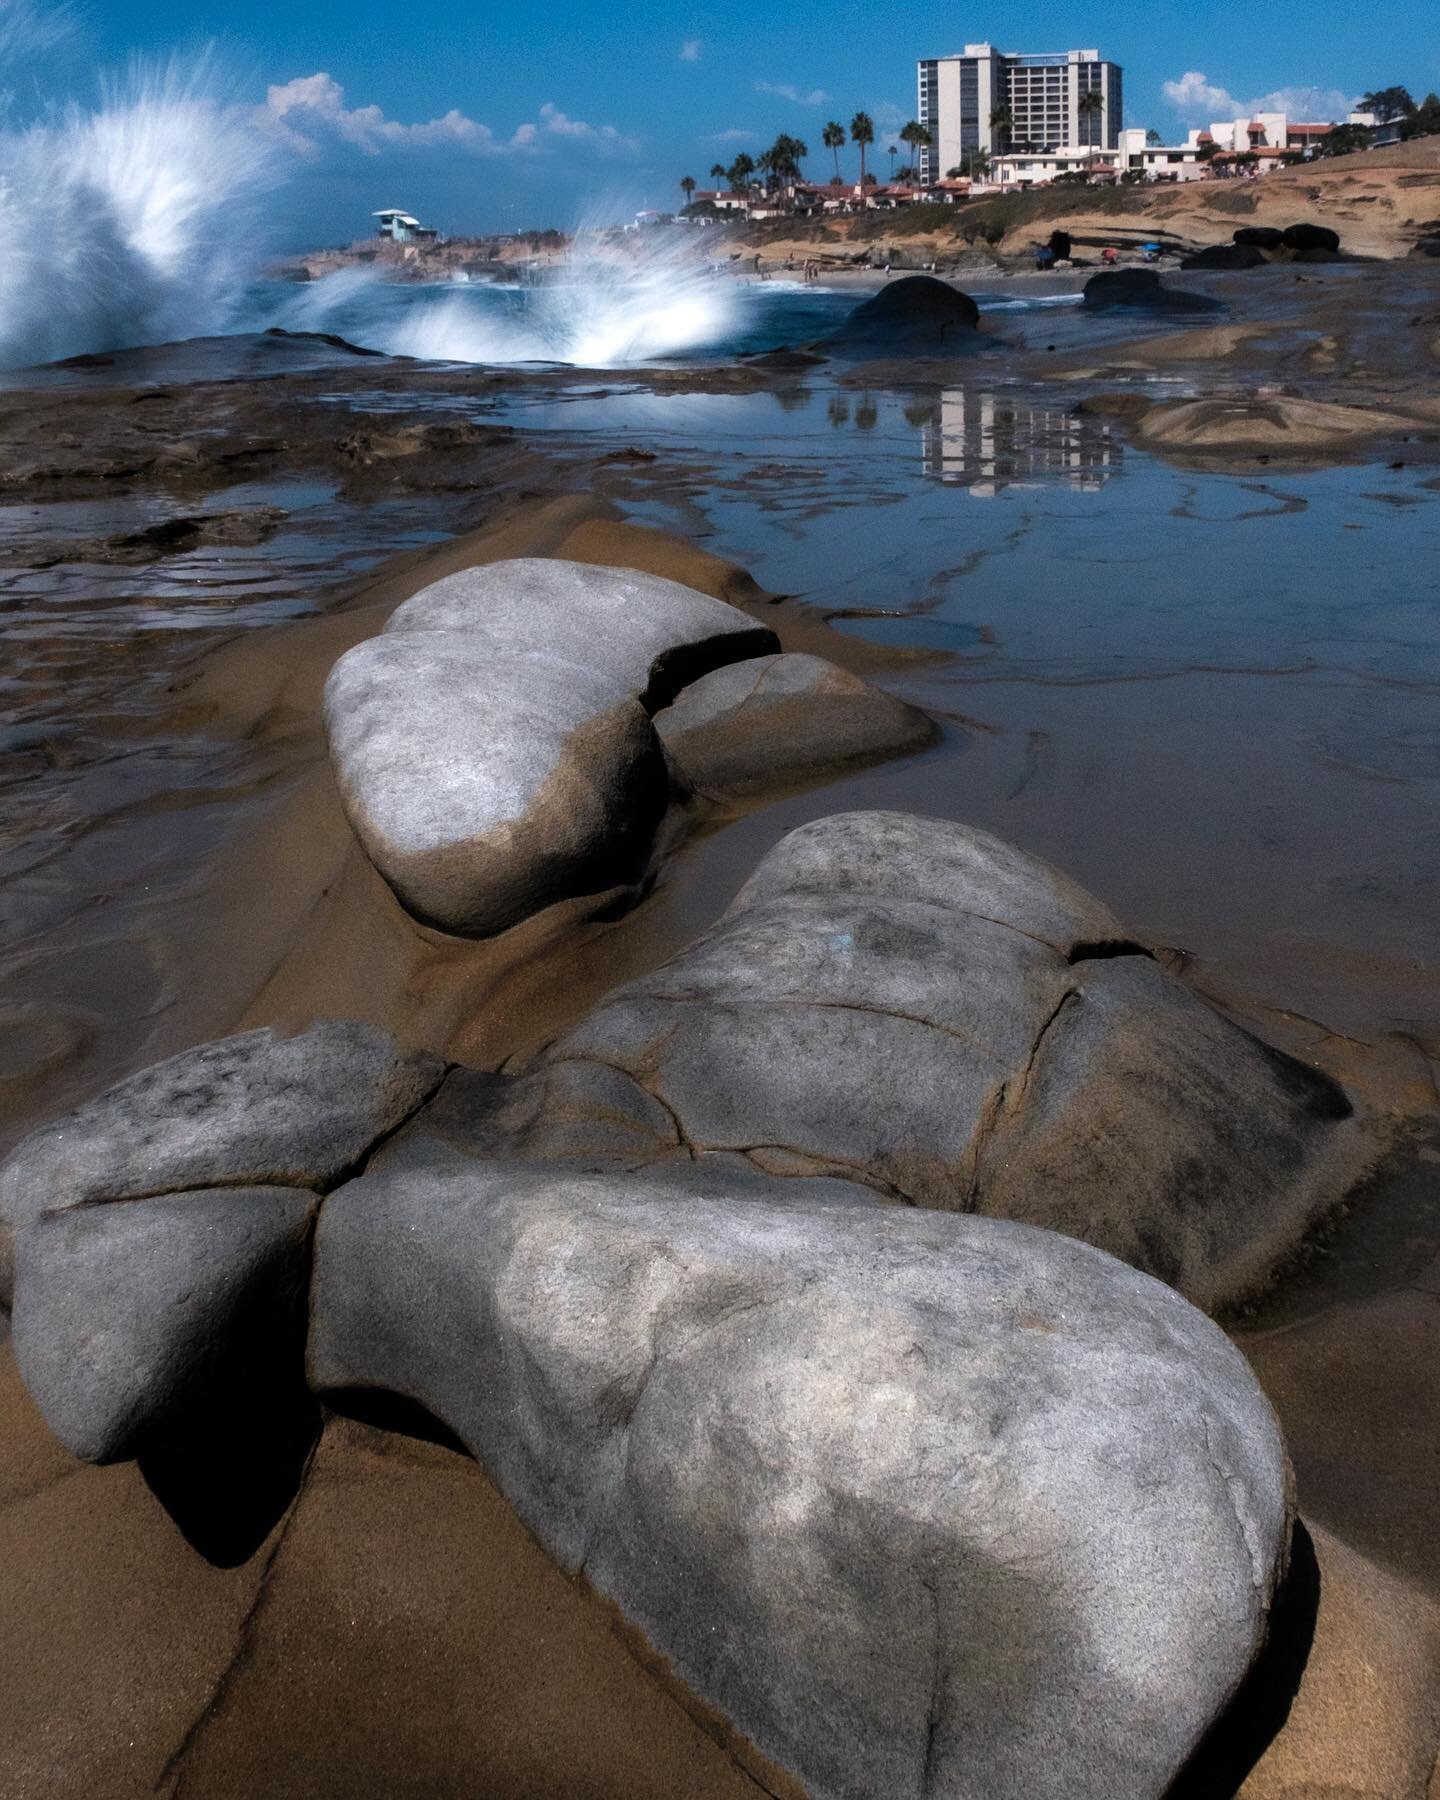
(132, 223)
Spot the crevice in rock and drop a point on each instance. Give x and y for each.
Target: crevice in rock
(358, 1164)
(678, 667)
(1022, 1086)
(935, 1710)
(1106, 949)
(319, 1186)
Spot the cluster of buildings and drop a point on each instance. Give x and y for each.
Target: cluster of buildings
(1001, 121)
(1008, 120)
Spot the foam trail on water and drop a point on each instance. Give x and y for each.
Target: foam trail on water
(131, 223)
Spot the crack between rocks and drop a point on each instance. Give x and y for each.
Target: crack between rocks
(1022, 1088)
(174, 1769)
(347, 1172)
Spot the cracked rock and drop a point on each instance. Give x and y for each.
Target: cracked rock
(919, 1006)
(493, 745)
(779, 718)
(925, 1505)
(254, 1110)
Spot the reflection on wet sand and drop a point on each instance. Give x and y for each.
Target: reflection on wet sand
(986, 440)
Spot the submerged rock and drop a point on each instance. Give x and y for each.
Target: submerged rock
(911, 1499)
(253, 1110)
(915, 316)
(783, 717)
(493, 746)
(1276, 425)
(1141, 288)
(924, 1008)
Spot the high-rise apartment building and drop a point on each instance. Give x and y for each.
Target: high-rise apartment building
(988, 100)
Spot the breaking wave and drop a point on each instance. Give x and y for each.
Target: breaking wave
(129, 223)
(595, 311)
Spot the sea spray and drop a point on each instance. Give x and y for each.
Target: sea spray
(615, 300)
(129, 223)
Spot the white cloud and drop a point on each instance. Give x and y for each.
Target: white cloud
(603, 137)
(311, 110)
(1198, 101)
(314, 105)
(786, 90)
(737, 134)
(690, 50)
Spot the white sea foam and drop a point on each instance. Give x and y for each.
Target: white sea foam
(597, 310)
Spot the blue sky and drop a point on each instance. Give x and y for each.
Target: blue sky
(479, 116)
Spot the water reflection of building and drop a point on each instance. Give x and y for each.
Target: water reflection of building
(987, 441)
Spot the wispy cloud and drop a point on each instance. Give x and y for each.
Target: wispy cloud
(310, 111)
(690, 50)
(786, 90)
(1198, 100)
(28, 30)
(737, 134)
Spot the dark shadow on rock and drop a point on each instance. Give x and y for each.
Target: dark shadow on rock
(1245, 1730)
(393, 1412)
(227, 1480)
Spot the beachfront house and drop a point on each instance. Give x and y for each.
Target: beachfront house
(398, 227)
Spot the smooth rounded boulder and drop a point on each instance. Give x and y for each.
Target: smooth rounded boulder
(1260, 237)
(493, 746)
(921, 1504)
(781, 718)
(922, 1007)
(1311, 237)
(918, 315)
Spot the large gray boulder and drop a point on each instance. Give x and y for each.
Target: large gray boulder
(925, 1505)
(919, 1006)
(783, 718)
(493, 745)
(254, 1110)
(129, 1317)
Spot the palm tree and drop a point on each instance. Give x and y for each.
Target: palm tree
(717, 172)
(892, 151)
(1152, 136)
(833, 138)
(918, 138)
(687, 187)
(862, 132)
(1089, 106)
(739, 172)
(786, 155)
(1002, 121)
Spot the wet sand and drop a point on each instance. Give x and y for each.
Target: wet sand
(180, 869)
